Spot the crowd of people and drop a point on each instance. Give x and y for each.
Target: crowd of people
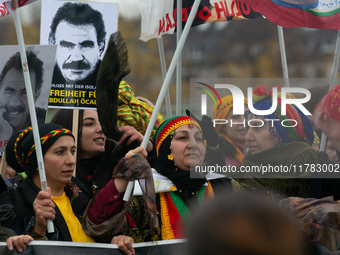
(230, 212)
(89, 206)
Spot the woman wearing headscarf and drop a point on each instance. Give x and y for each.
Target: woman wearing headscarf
(283, 141)
(319, 216)
(233, 135)
(26, 209)
(180, 147)
(58, 149)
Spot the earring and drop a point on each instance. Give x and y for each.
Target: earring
(170, 156)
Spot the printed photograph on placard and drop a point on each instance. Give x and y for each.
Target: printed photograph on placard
(81, 31)
(14, 110)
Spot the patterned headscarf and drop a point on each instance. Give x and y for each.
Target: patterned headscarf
(303, 131)
(165, 164)
(133, 112)
(169, 126)
(330, 104)
(221, 112)
(20, 149)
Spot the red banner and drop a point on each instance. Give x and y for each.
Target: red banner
(160, 16)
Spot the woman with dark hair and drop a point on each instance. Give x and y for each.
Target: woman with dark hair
(26, 209)
(95, 161)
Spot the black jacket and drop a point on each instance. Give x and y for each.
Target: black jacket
(17, 213)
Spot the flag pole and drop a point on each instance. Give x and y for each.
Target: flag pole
(332, 84)
(179, 61)
(283, 56)
(75, 122)
(3, 165)
(165, 86)
(27, 79)
(163, 68)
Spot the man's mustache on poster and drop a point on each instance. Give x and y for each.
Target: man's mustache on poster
(81, 65)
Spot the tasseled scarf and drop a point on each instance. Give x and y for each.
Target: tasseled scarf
(175, 213)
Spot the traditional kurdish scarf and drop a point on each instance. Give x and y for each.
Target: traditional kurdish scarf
(175, 213)
(301, 130)
(129, 169)
(21, 151)
(291, 154)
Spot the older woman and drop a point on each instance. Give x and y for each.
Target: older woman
(283, 141)
(180, 146)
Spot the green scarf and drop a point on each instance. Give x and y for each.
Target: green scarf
(294, 154)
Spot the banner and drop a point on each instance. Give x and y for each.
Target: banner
(6, 8)
(70, 248)
(14, 111)
(81, 31)
(323, 14)
(159, 16)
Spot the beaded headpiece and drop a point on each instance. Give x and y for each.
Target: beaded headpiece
(303, 131)
(21, 151)
(169, 126)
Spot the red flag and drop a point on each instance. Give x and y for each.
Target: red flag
(159, 16)
(6, 8)
(300, 13)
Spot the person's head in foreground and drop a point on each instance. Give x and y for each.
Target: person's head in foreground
(180, 146)
(243, 224)
(58, 149)
(268, 131)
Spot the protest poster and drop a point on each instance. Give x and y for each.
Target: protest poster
(14, 111)
(81, 31)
